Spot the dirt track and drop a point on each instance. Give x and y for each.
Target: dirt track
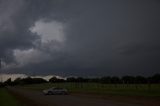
(37, 98)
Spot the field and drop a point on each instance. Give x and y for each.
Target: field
(6, 99)
(103, 89)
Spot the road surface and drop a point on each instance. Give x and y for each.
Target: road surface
(37, 98)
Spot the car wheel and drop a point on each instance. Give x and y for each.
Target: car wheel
(50, 93)
(64, 93)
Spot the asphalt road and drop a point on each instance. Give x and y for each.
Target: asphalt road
(35, 97)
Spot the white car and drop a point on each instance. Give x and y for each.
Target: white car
(55, 91)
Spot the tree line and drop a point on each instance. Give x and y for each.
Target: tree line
(118, 80)
(155, 79)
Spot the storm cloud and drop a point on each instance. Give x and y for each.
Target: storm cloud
(84, 38)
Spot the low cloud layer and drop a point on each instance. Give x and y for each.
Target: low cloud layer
(84, 38)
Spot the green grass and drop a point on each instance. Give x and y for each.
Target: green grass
(103, 89)
(6, 99)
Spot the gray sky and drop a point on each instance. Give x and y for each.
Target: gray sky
(80, 37)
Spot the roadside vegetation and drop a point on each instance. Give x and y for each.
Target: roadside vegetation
(126, 85)
(103, 89)
(6, 99)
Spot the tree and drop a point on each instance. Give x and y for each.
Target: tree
(38, 80)
(18, 81)
(8, 82)
(80, 79)
(106, 80)
(71, 79)
(115, 80)
(128, 79)
(155, 78)
(27, 80)
(140, 80)
(97, 80)
(54, 79)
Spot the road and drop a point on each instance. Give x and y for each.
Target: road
(37, 98)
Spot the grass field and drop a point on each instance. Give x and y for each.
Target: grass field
(104, 89)
(6, 99)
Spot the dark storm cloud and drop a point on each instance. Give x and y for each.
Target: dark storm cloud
(14, 33)
(134, 49)
(102, 37)
(106, 33)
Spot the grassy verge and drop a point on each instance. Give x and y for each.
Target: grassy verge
(6, 99)
(103, 89)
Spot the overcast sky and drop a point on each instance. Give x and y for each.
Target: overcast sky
(80, 37)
